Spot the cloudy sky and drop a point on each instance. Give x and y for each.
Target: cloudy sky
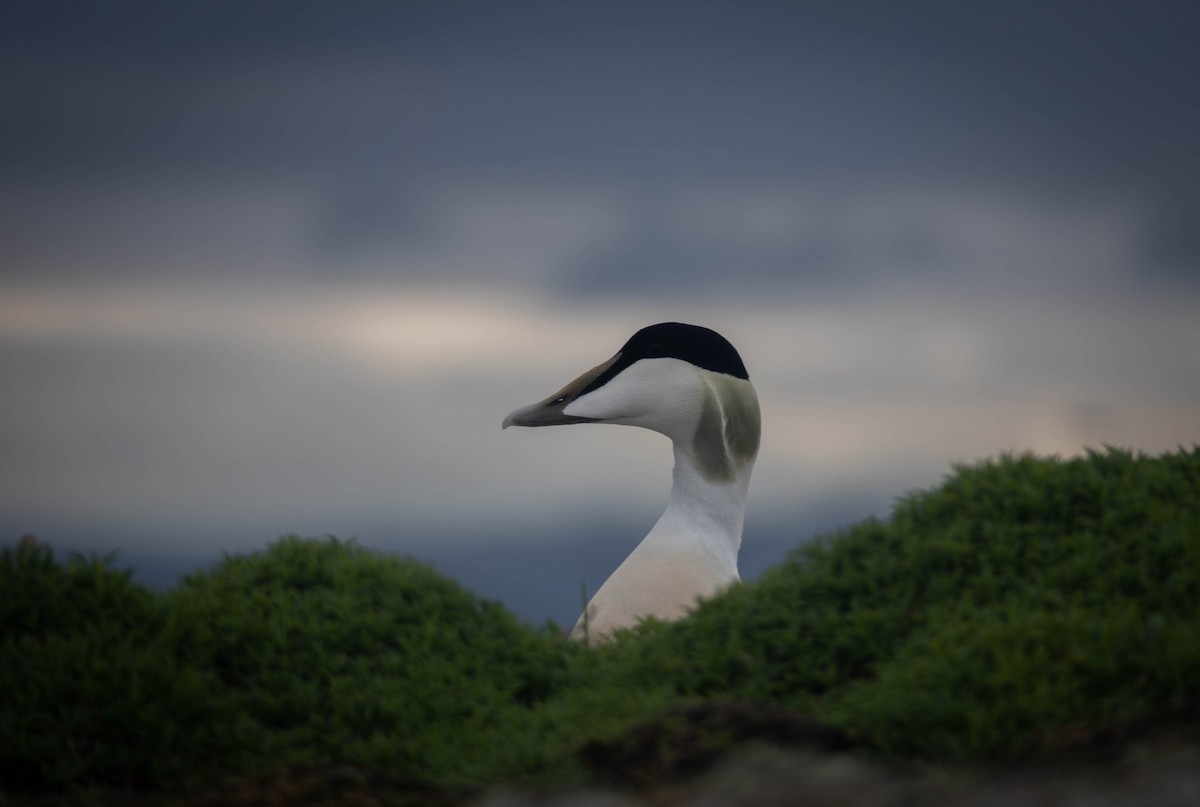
(282, 267)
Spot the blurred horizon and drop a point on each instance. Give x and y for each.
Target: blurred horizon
(281, 268)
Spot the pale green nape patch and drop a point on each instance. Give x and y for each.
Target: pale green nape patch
(743, 421)
(730, 424)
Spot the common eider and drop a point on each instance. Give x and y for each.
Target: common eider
(688, 383)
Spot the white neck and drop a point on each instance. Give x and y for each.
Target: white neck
(713, 423)
(703, 516)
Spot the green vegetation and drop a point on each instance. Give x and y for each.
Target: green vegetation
(1021, 598)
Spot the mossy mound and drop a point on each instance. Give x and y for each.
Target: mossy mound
(1022, 594)
(1022, 601)
(338, 654)
(88, 691)
(314, 652)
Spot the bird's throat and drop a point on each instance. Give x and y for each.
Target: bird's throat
(703, 516)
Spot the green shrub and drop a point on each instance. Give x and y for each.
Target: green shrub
(341, 654)
(44, 597)
(1022, 596)
(982, 680)
(310, 653)
(88, 692)
(869, 625)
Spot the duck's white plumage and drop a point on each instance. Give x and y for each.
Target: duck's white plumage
(689, 384)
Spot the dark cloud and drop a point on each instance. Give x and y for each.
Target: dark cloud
(1170, 247)
(758, 245)
(656, 262)
(359, 214)
(616, 90)
(363, 107)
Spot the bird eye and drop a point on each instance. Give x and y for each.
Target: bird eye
(560, 399)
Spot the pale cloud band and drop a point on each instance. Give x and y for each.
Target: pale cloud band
(241, 402)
